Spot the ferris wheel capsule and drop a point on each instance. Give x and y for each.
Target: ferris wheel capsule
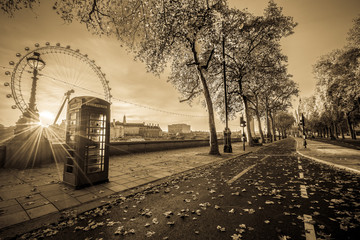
(58, 44)
(47, 43)
(68, 46)
(8, 95)
(27, 49)
(6, 84)
(18, 55)
(37, 45)
(14, 107)
(7, 73)
(11, 63)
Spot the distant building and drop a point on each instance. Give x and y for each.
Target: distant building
(179, 128)
(125, 129)
(116, 130)
(150, 131)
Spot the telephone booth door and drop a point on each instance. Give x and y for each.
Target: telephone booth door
(87, 142)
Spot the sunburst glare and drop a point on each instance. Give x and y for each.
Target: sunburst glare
(46, 118)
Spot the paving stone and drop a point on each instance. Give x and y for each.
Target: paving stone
(41, 211)
(13, 218)
(33, 201)
(118, 188)
(78, 193)
(160, 175)
(58, 197)
(16, 191)
(100, 191)
(29, 198)
(152, 178)
(51, 193)
(87, 197)
(49, 187)
(110, 184)
(11, 209)
(131, 184)
(65, 202)
(142, 181)
(8, 202)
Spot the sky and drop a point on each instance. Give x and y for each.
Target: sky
(141, 96)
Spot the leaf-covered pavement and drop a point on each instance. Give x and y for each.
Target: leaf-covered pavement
(264, 203)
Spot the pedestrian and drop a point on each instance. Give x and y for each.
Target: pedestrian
(305, 143)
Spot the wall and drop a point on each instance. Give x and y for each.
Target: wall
(123, 148)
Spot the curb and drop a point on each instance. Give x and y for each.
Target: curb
(18, 229)
(325, 162)
(329, 163)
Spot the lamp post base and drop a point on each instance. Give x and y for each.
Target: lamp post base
(29, 147)
(227, 141)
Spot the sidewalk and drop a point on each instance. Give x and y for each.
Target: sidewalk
(32, 194)
(337, 156)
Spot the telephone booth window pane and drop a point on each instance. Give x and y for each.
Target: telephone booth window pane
(72, 127)
(96, 137)
(73, 119)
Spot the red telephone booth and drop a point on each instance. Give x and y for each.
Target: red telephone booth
(87, 141)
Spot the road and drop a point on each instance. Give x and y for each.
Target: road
(270, 194)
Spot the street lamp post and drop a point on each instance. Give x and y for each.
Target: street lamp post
(29, 147)
(227, 132)
(243, 125)
(302, 121)
(36, 63)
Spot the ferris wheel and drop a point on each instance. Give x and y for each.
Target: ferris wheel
(59, 70)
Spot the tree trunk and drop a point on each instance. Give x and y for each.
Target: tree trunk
(332, 137)
(327, 132)
(279, 131)
(336, 130)
(342, 132)
(272, 118)
(351, 130)
(246, 108)
(214, 147)
(268, 132)
(259, 124)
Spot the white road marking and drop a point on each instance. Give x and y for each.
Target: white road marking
(301, 175)
(244, 171)
(309, 228)
(303, 191)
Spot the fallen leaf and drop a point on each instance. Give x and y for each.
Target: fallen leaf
(155, 221)
(149, 233)
(221, 229)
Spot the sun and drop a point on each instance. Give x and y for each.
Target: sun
(46, 118)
